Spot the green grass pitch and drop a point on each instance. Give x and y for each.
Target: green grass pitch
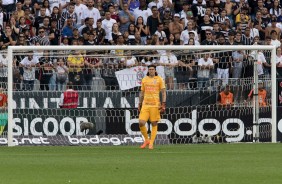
(173, 164)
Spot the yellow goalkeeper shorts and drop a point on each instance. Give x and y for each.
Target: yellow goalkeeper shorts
(150, 113)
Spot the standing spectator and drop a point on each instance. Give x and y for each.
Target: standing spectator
(101, 33)
(153, 20)
(126, 17)
(114, 34)
(247, 39)
(55, 34)
(132, 4)
(42, 38)
(46, 70)
(205, 65)
(166, 19)
(225, 62)
(157, 3)
(61, 74)
(142, 11)
(206, 25)
(92, 63)
(29, 64)
(260, 24)
(238, 39)
(160, 33)
(274, 40)
(199, 11)
(56, 15)
(38, 22)
(209, 38)
(169, 61)
(67, 30)
(107, 25)
(238, 60)
(70, 13)
(88, 27)
(79, 9)
(75, 64)
(273, 27)
(176, 27)
(114, 14)
(3, 69)
(142, 30)
(91, 12)
(276, 9)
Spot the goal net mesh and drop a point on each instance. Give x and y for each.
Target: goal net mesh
(108, 83)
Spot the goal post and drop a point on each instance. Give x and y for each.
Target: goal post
(13, 49)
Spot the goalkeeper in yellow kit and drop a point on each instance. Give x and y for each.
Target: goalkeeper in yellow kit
(149, 104)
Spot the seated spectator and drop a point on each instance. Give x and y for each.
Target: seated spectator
(262, 93)
(225, 98)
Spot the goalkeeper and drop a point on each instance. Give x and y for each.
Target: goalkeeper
(149, 104)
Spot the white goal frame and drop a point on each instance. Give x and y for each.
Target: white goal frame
(11, 50)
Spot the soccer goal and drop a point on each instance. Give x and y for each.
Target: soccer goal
(199, 82)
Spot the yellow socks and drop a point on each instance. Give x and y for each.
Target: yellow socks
(144, 132)
(153, 134)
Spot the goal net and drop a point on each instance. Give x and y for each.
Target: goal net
(199, 83)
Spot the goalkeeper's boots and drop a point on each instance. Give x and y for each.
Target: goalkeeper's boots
(146, 143)
(151, 146)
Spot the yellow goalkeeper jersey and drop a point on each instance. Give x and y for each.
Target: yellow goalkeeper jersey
(152, 87)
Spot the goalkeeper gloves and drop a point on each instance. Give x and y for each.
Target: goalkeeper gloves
(162, 108)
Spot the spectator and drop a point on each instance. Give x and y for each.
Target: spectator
(272, 28)
(142, 30)
(101, 33)
(69, 14)
(29, 64)
(238, 60)
(114, 14)
(107, 25)
(75, 63)
(166, 20)
(42, 38)
(176, 27)
(153, 20)
(39, 20)
(169, 61)
(160, 33)
(225, 98)
(132, 4)
(61, 74)
(209, 38)
(8, 38)
(126, 17)
(143, 11)
(79, 8)
(55, 34)
(206, 25)
(3, 69)
(91, 12)
(91, 63)
(69, 98)
(274, 40)
(262, 94)
(99, 6)
(46, 70)
(205, 65)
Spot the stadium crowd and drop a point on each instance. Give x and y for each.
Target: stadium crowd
(136, 22)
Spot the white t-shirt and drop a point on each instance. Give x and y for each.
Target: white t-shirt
(205, 73)
(108, 25)
(261, 60)
(79, 11)
(131, 61)
(167, 58)
(143, 13)
(4, 68)
(158, 5)
(160, 34)
(92, 13)
(29, 73)
(279, 59)
(184, 37)
(276, 43)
